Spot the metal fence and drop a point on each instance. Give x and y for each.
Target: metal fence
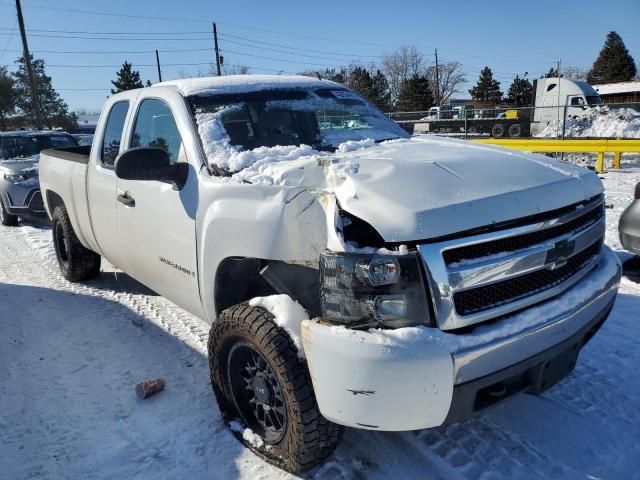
(567, 121)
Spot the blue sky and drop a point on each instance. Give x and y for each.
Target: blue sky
(512, 37)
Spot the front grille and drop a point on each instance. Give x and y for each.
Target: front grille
(519, 242)
(490, 296)
(36, 204)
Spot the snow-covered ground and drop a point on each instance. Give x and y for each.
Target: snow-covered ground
(71, 354)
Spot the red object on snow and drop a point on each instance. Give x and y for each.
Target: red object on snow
(149, 387)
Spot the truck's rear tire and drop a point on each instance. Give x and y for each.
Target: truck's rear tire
(515, 130)
(76, 262)
(6, 218)
(258, 379)
(497, 131)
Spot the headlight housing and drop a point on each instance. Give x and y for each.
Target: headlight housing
(361, 290)
(20, 177)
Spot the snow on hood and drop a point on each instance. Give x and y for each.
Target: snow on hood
(424, 187)
(598, 122)
(242, 83)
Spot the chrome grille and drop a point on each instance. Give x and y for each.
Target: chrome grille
(484, 276)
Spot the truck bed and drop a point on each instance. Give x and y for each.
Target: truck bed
(63, 175)
(73, 154)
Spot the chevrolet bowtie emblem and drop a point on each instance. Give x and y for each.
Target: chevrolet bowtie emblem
(558, 255)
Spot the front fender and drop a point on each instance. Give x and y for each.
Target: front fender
(256, 221)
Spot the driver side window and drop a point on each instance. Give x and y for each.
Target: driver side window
(156, 127)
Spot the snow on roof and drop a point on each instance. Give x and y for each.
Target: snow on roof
(620, 87)
(242, 83)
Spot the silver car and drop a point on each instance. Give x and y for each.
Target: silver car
(629, 226)
(19, 184)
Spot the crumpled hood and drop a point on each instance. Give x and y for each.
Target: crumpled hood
(426, 188)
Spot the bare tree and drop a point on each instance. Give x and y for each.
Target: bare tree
(450, 78)
(400, 66)
(574, 73)
(234, 70)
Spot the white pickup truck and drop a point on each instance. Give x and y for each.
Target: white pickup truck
(353, 275)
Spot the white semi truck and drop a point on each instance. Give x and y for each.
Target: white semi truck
(353, 275)
(553, 99)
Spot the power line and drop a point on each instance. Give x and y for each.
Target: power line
(107, 14)
(233, 42)
(117, 39)
(174, 19)
(275, 59)
(13, 31)
(227, 35)
(113, 33)
(126, 52)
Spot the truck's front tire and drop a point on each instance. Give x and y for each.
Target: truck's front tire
(76, 262)
(258, 378)
(6, 218)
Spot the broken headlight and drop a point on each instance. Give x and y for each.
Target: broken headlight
(360, 290)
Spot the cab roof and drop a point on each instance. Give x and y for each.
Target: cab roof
(242, 84)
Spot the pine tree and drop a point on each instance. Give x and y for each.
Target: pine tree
(415, 95)
(7, 97)
(381, 94)
(374, 88)
(614, 63)
(338, 76)
(127, 79)
(360, 81)
(54, 110)
(487, 89)
(520, 92)
(552, 73)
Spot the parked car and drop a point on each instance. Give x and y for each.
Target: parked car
(439, 277)
(629, 226)
(83, 138)
(19, 187)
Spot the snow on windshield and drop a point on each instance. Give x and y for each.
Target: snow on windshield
(220, 152)
(238, 131)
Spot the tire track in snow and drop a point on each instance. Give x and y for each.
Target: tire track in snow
(575, 429)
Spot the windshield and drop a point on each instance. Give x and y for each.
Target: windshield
(594, 100)
(28, 145)
(322, 118)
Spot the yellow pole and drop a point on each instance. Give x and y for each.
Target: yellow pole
(600, 162)
(616, 160)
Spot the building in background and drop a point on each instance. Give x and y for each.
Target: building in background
(621, 92)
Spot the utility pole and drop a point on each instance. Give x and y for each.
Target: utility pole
(437, 80)
(158, 65)
(215, 40)
(27, 62)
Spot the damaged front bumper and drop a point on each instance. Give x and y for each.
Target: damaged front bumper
(415, 378)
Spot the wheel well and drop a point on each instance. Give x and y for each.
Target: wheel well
(54, 200)
(239, 279)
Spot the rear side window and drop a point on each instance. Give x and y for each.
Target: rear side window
(156, 127)
(113, 133)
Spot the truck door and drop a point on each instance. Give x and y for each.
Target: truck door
(156, 220)
(101, 179)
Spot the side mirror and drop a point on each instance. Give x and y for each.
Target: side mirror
(145, 163)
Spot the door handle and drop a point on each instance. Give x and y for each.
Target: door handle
(127, 199)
